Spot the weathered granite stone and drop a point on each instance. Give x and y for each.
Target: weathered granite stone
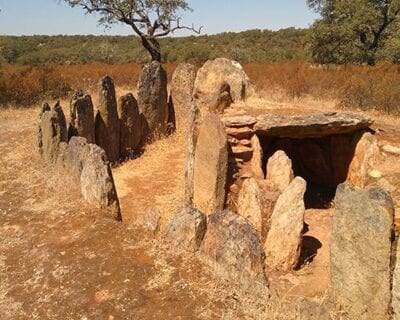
(315, 125)
(51, 131)
(284, 238)
(107, 126)
(81, 117)
(153, 97)
(210, 166)
(232, 247)
(187, 229)
(361, 252)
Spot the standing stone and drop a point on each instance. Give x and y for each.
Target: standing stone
(39, 135)
(284, 239)
(232, 247)
(250, 204)
(153, 97)
(212, 75)
(257, 158)
(52, 130)
(279, 171)
(182, 85)
(82, 117)
(361, 244)
(210, 166)
(97, 183)
(187, 230)
(131, 125)
(107, 126)
(396, 285)
(191, 141)
(365, 154)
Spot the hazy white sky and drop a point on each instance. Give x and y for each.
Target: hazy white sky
(27, 17)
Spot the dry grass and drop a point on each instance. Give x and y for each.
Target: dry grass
(354, 87)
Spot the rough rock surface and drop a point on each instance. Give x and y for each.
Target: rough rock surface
(51, 131)
(257, 158)
(182, 85)
(252, 205)
(222, 100)
(187, 229)
(153, 97)
(310, 126)
(212, 75)
(97, 183)
(232, 247)
(365, 155)
(396, 285)
(81, 117)
(191, 141)
(107, 126)
(279, 171)
(76, 155)
(361, 245)
(391, 149)
(210, 166)
(131, 125)
(284, 239)
(149, 221)
(239, 121)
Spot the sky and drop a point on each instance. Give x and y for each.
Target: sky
(50, 17)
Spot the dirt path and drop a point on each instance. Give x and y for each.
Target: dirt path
(61, 259)
(153, 181)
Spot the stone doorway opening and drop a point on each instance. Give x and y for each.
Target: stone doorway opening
(323, 162)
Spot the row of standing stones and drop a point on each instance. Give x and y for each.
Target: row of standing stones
(265, 232)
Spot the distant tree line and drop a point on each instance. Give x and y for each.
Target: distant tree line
(256, 46)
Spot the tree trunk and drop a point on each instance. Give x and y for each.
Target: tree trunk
(153, 47)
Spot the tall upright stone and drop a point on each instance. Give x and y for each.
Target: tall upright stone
(250, 204)
(191, 140)
(107, 126)
(153, 97)
(361, 252)
(283, 243)
(210, 166)
(51, 131)
(279, 171)
(182, 85)
(131, 125)
(257, 158)
(81, 117)
(366, 151)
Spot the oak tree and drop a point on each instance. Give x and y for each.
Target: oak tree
(352, 31)
(149, 19)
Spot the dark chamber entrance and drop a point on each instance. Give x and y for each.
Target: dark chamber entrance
(323, 162)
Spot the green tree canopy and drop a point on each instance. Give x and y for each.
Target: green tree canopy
(352, 31)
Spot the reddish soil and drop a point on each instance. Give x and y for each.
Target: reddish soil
(62, 259)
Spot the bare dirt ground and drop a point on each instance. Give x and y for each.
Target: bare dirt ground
(61, 259)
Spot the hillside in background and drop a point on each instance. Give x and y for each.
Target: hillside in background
(250, 46)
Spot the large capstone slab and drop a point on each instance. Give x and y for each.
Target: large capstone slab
(314, 125)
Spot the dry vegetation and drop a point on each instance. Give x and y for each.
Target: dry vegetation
(353, 87)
